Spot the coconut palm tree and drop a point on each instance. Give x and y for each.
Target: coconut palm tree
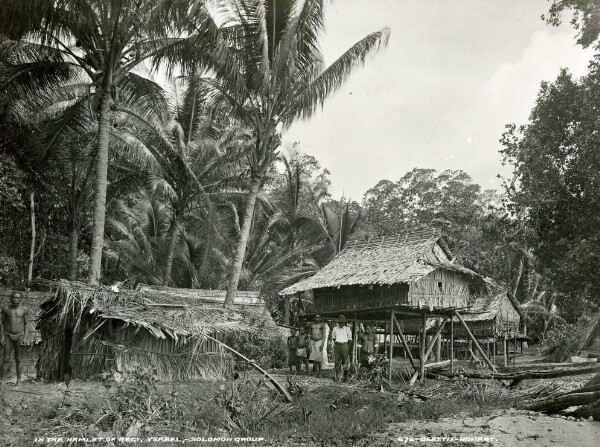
(276, 76)
(140, 232)
(106, 40)
(197, 156)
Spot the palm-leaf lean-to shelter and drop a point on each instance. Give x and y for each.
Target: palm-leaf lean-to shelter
(88, 330)
(398, 281)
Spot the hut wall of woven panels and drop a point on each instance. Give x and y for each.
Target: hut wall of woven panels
(348, 298)
(117, 345)
(440, 289)
(29, 352)
(89, 330)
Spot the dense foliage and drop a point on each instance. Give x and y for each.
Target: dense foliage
(196, 191)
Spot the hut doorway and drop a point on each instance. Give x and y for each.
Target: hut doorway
(64, 365)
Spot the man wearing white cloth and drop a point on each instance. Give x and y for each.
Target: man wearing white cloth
(341, 335)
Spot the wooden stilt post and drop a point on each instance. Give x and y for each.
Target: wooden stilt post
(354, 342)
(404, 343)
(434, 338)
(515, 349)
(505, 351)
(391, 344)
(451, 344)
(474, 340)
(423, 359)
(438, 346)
(494, 344)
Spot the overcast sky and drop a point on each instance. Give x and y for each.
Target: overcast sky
(454, 73)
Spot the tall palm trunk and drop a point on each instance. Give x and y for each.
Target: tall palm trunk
(173, 236)
(240, 253)
(73, 249)
(32, 248)
(100, 188)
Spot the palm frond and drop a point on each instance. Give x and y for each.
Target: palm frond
(315, 89)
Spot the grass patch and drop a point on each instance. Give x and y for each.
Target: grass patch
(246, 407)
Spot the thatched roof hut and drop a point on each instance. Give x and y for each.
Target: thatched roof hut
(88, 330)
(413, 269)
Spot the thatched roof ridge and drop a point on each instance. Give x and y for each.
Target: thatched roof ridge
(160, 313)
(242, 298)
(385, 260)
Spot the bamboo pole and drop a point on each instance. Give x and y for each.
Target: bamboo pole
(391, 344)
(422, 346)
(452, 344)
(275, 383)
(405, 344)
(485, 358)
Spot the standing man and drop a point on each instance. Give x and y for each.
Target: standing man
(317, 333)
(368, 345)
(293, 360)
(302, 352)
(341, 335)
(13, 330)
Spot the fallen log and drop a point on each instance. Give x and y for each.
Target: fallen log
(592, 410)
(558, 403)
(436, 365)
(585, 389)
(540, 374)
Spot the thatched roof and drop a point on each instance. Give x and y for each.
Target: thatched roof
(32, 301)
(163, 312)
(486, 307)
(385, 260)
(242, 298)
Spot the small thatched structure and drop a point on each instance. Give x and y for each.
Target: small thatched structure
(89, 330)
(491, 315)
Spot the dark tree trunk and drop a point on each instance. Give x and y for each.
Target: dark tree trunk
(173, 237)
(73, 251)
(32, 247)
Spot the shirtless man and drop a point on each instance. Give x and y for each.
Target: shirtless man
(317, 334)
(302, 352)
(368, 341)
(13, 330)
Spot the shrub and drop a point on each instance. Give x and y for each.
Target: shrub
(564, 340)
(265, 351)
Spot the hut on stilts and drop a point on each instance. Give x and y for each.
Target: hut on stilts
(178, 332)
(403, 281)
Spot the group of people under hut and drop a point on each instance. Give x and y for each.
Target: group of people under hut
(307, 342)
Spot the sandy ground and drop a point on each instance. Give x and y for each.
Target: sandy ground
(505, 429)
